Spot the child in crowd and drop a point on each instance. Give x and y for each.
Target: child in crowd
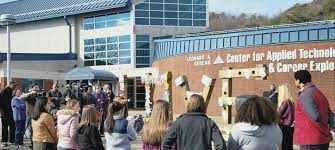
(124, 102)
(118, 131)
(155, 129)
(255, 126)
(19, 115)
(68, 120)
(45, 136)
(286, 114)
(194, 130)
(88, 133)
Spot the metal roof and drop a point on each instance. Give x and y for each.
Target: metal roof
(30, 10)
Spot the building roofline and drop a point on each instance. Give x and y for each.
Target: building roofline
(72, 13)
(38, 56)
(54, 9)
(207, 33)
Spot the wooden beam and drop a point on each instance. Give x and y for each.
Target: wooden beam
(183, 82)
(169, 81)
(242, 73)
(227, 101)
(208, 89)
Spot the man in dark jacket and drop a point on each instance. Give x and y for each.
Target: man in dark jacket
(7, 119)
(69, 93)
(88, 97)
(194, 130)
(109, 92)
(55, 96)
(272, 95)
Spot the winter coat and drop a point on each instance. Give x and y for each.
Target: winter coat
(67, 125)
(88, 99)
(286, 113)
(194, 131)
(44, 129)
(311, 117)
(89, 138)
(6, 96)
(246, 136)
(110, 95)
(122, 134)
(56, 98)
(19, 109)
(104, 101)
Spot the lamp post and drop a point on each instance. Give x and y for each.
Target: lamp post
(7, 20)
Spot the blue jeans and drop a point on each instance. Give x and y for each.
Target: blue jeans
(19, 131)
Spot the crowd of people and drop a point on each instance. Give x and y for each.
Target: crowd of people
(273, 121)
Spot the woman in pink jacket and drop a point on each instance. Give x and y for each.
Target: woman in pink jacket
(67, 125)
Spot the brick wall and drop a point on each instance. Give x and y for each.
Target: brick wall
(179, 66)
(47, 83)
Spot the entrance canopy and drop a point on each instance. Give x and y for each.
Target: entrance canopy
(86, 73)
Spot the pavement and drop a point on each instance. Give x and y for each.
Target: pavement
(135, 145)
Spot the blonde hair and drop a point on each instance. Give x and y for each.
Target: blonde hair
(70, 104)
(88, 117)
(155, 129)
(284, 93)
(196, 104)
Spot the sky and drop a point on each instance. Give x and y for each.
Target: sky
(264, 7)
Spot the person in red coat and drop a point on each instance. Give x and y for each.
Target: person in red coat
(313, 116)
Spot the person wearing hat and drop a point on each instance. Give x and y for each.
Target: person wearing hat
(7, 119)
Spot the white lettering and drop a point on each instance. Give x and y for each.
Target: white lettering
(238, 58)
(321, 66)
(195, 58)
(317, 53)
(291, 67)
(282, 55)
(258, 56)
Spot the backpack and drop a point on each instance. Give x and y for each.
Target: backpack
(138, 123)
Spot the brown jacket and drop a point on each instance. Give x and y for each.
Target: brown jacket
(44, 129)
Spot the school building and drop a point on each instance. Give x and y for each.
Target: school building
(280, 50)
(51, 38)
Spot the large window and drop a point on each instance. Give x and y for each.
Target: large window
(142, 51)
(106, 21)
(28, 82)
(171, 13)
(107, 51)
